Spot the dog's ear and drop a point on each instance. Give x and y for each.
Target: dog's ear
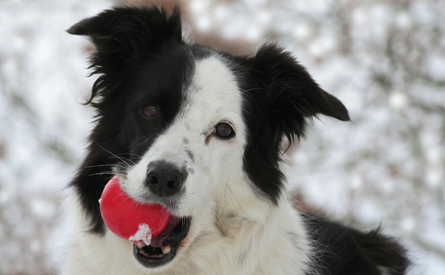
(280, 99)
(290, 94)
(122, 35)
(126, 29)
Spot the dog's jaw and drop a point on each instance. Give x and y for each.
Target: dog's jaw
(236, 233)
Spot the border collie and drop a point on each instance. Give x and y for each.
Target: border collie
(213, 123)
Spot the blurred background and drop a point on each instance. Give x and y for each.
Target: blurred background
(384, 59)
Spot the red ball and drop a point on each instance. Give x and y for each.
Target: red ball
(130, 219)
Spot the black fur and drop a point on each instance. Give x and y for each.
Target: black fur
(121, 37)
(344, 251)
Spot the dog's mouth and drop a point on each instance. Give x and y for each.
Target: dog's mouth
(164, 246)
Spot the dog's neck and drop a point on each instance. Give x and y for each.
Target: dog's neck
(237, 201)
(240, 233)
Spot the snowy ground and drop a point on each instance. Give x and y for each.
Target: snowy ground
(384, 60)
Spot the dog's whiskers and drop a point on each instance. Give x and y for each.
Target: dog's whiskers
(107, 165)
(116, 156)
(100, 174)
(130, 154)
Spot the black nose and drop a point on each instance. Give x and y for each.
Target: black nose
(164, 179)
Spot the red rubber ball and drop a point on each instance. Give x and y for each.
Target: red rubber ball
(128, 218)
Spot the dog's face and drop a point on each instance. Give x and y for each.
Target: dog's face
(179, 123)
(180, 160)
(185, 130)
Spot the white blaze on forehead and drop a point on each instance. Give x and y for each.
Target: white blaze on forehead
(213, 94)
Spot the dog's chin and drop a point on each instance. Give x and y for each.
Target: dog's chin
(164, 247)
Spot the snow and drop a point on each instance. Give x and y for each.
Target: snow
(143, 234)
(384, 60)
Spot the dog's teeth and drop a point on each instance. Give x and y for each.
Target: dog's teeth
(166, 249)
(140, 244)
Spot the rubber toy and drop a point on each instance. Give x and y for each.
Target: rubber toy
(130, 219)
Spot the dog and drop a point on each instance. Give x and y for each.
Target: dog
(199, 131)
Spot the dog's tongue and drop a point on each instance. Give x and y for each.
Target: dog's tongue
(159, 239)
(128, 218)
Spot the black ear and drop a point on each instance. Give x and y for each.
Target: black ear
(280, 96)
(124, 35)
(131, 27)
(291, 95)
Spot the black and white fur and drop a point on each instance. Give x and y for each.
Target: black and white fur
(231, 189)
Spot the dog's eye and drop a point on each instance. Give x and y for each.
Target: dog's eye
(150, 111)
(224, 131)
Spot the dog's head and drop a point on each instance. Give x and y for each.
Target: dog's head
(180, 123)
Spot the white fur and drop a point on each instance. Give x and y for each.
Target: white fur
(233, 231)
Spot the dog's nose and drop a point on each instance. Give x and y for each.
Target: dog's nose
(164, 179)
